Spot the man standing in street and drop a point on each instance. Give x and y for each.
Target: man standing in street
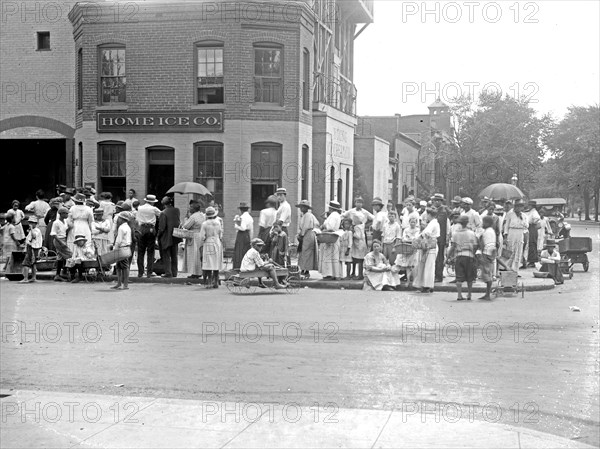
(474, 223)
(284, 212)
(530, 254)
(443, 218)
(146, 217)
(167, 244)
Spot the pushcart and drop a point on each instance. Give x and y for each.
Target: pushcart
(508, 285)
(247, 282)
(575, 249)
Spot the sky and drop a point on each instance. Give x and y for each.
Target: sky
(415, 51)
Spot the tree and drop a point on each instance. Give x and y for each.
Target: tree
(575, 144)
(494, 139)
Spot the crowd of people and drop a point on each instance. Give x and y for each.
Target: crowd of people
(386, 247)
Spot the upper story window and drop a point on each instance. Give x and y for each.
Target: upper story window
(209, 84)
(305, 80)
(80, 79)
(43, 40)
(112, 75)
(268, 74)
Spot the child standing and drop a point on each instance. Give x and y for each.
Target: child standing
(59, 234)
(359, 248)
(33, 243)
(392, 233)
(124, 240)
(346, 246)
(279, 244)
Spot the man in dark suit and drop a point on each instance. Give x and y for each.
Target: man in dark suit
(167, 244)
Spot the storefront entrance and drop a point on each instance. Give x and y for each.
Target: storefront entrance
(161, 170)
(34, 164)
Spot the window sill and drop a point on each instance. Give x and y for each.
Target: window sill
(266, 107)
(209, 106)
(44, 49)
(112, 107)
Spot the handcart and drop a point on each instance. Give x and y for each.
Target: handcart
(508, 285)
(575, 249)
(247, 282)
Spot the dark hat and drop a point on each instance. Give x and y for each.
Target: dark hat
(377, 201)
(304, 203)
(551, 242)
(70, 190)
(519, 203)
(98, 210)
(243, 205)
(335, 205)
(79, 198)
(532, 203)
(271, 199)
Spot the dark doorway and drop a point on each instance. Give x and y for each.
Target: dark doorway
(161, 170)
(43, 165)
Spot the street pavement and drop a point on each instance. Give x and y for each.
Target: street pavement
(181, 366)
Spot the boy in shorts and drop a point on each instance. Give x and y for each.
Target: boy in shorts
(464, 245)
(33, 243)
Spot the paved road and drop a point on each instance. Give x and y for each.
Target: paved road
(532, 360)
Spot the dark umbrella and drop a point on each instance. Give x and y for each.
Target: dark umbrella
(502, 191)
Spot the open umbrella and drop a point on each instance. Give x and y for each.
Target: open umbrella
(189, 188)
(502, 191)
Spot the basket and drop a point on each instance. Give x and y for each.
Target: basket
(404, 248)
(181, 233)
(327, 237)
(46, 261)
(115, 255)
(540, 274)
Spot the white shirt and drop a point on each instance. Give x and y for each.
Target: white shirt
(381, 218)
(363, 214)
(267, 217)
(432, 229)
(40, 208)
(59, 229)
(284, 214)
(251, 260)
(247, 224)
(332, 223)
(123, 236)
(147, 214)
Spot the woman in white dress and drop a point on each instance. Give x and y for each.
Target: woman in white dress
(192, 258)
(379, 274)
(18, 216)
(516, 223)
(425, 271)
(405, 260)
(211, 235)
(80, 221)
(329, 253)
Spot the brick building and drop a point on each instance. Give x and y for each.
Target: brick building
(218, 93)
(37, 113)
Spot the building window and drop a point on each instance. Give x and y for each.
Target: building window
(268, 72)
(209, 81)
(113, 169)
(80, 79)
(209, 168)
(332, 183)
(112, 75)
(306, 80)
(265, 170)
(347, 203)
(43, 40)
(112, 160)
(304, 172)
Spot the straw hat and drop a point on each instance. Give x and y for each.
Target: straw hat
(80, 238)
(335, 205)
(281, 190)
(150, 199)
(304, 203)
(210, 212)
(257, 242)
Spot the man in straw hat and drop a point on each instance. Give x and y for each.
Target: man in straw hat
(329, 253)
(550, 259)
(146, 217)
(284, 211)
(252, 261)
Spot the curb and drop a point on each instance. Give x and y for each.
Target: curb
(544, 284)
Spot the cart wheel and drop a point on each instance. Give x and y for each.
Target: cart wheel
(231, 286)
(586, 264)
(246, 287)
(293, 286)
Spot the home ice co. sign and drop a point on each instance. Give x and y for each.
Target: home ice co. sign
(173, 122)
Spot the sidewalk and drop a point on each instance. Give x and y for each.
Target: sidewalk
(44, 419)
